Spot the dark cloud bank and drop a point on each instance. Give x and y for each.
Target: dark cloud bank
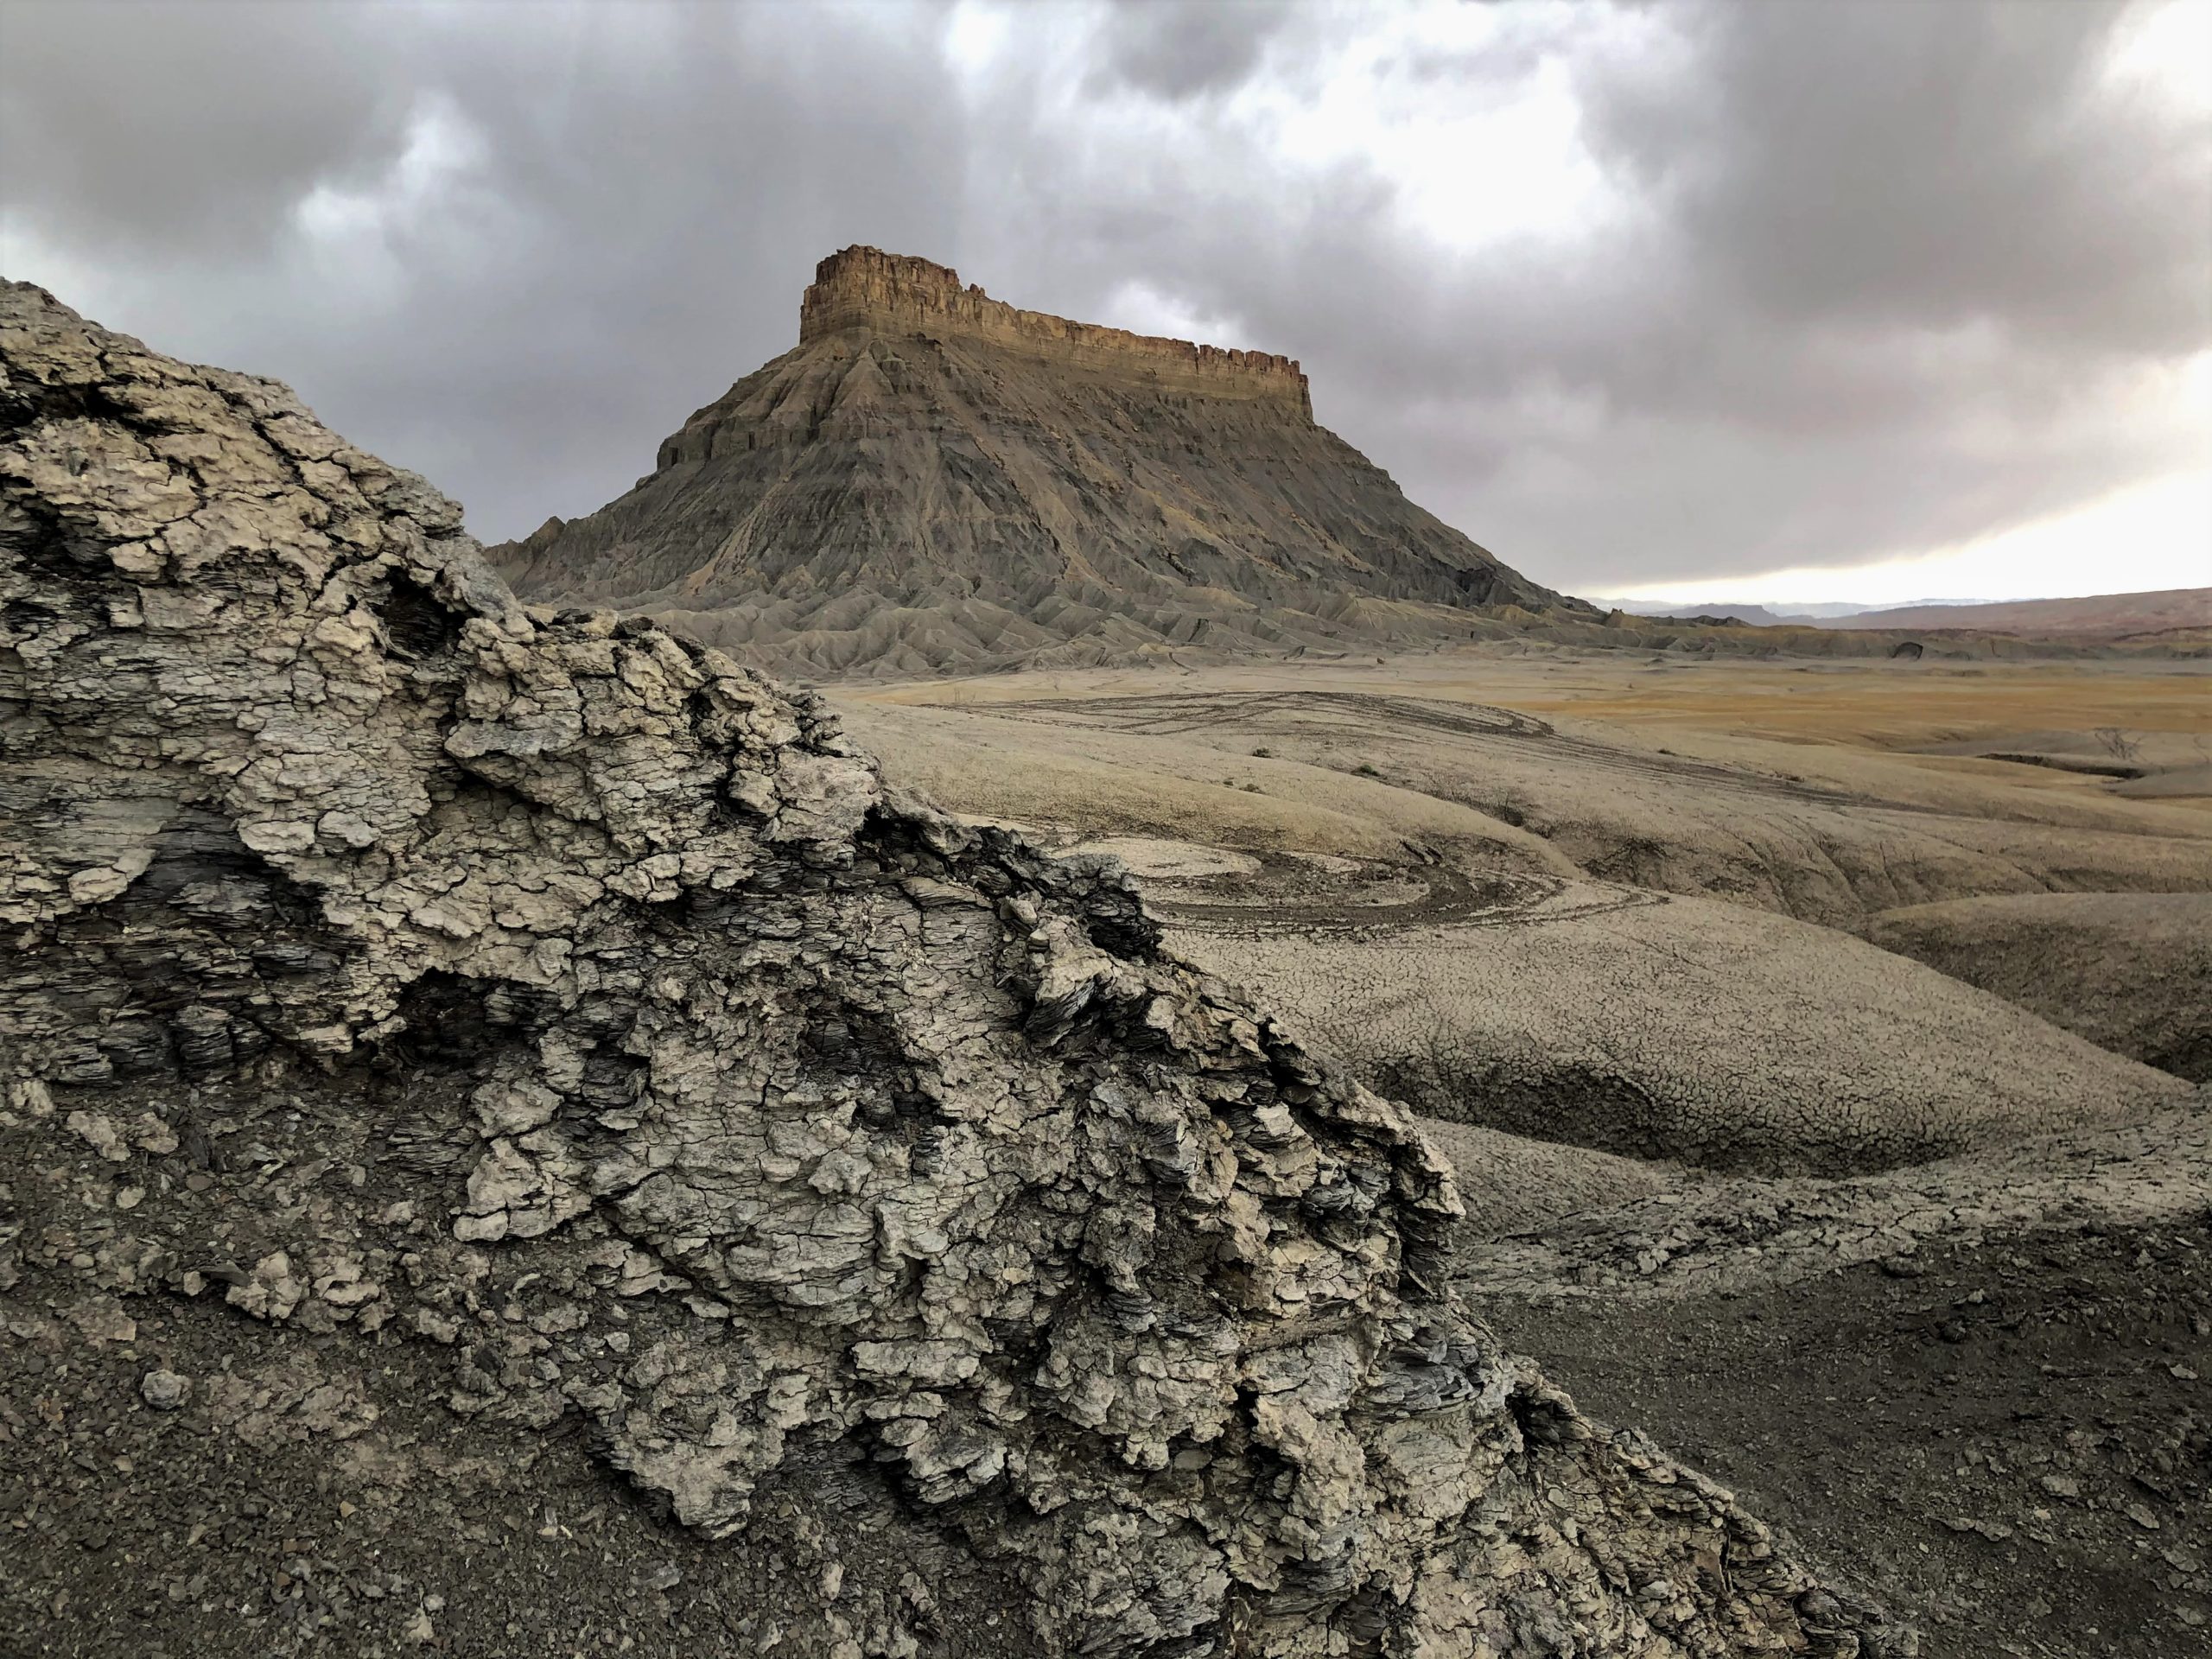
(1847, 280)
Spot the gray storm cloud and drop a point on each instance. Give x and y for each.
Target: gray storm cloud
(1855, 280)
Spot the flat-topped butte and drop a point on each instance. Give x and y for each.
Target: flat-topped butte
(933, 480)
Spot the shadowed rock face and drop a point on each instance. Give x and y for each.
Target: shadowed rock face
(934, 479)
(2130, 971)
(896, 294)
(845, 1172)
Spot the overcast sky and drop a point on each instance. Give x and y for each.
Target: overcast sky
(1893, 299)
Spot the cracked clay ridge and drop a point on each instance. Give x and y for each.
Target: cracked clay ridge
(804, 1128)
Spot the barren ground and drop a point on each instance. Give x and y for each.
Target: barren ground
(1912, 1247)
(2009, 1436)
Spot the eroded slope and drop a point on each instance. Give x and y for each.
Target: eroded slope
(933, 479)
(2129, 971)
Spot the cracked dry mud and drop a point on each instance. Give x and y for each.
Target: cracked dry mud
(518, 1141)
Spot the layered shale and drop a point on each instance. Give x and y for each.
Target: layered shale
(934, 479)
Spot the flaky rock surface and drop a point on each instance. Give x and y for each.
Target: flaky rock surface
(550, 1007)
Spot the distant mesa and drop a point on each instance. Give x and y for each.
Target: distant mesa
(2170, 611)
(2139, 618)
(936, 480)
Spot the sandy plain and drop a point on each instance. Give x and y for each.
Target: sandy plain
(1817, 992)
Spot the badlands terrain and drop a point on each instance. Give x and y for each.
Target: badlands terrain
(519, 1139)
(2172, 617)
(1819, 1086)
(2180, 614)
(522, 1135)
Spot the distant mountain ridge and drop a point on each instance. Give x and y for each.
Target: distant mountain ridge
(935, 480)
(1823, 613)
(2116, 614)
(1757, 615)
(2103, 613)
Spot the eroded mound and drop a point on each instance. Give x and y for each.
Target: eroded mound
(1511, 1184)
(1667, 1028)
(2132, 972)
(551, 1013)
(1600, 1019)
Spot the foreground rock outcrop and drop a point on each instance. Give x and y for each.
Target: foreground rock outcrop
(935, 479)
(543, 1023)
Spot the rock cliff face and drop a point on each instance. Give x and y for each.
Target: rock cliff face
(934, 479)
(540, 1022)
(875, 292)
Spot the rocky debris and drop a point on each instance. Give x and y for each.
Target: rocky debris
(523, 1021)
(936, 480)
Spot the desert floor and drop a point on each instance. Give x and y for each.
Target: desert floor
(1822, 1048)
